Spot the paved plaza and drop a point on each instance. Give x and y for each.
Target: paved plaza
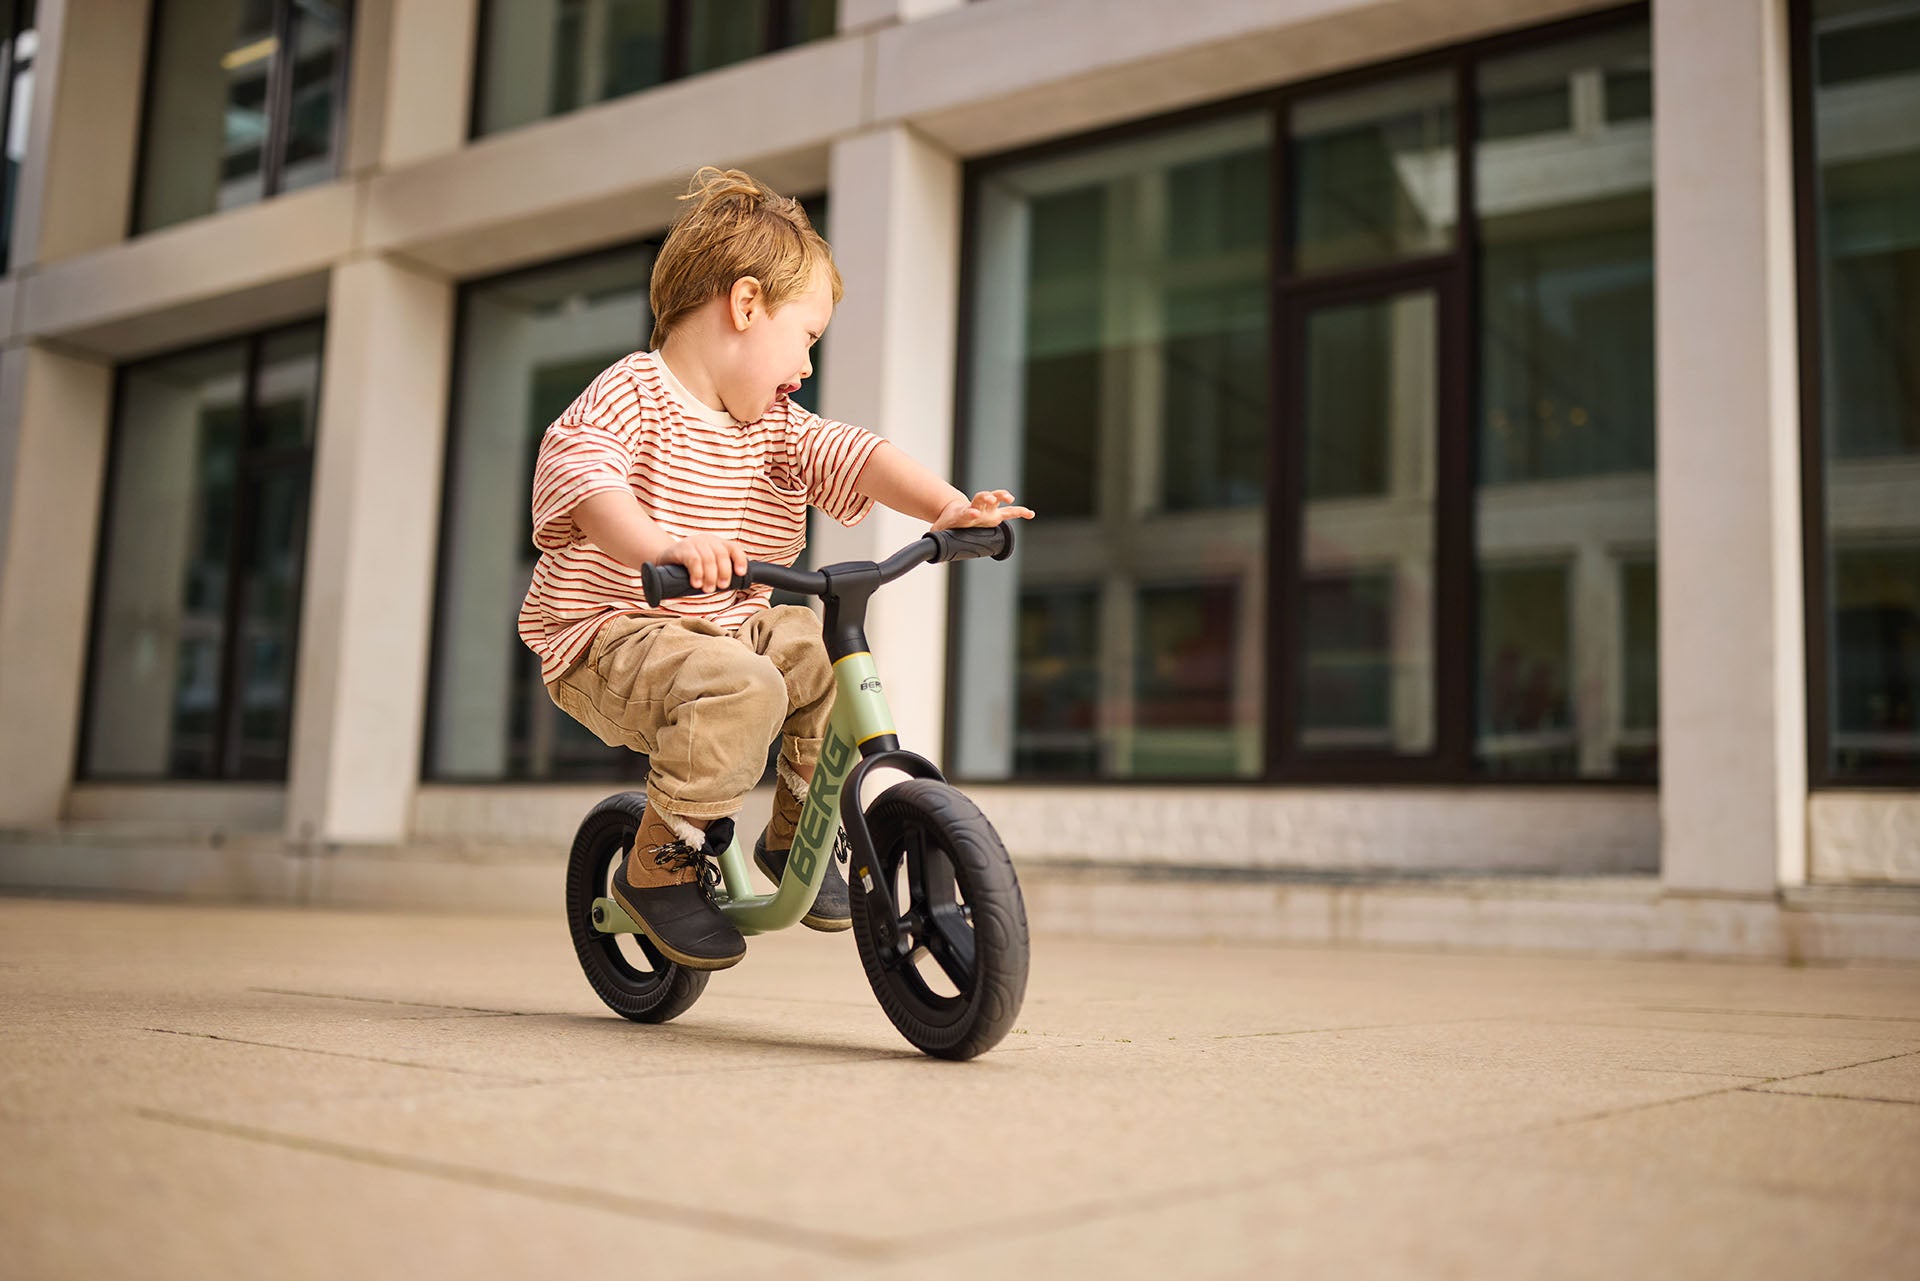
(202, 1092)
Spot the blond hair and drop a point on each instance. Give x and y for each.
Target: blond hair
(734, 227)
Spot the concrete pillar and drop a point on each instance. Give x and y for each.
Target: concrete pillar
(894, 208)
(1733, 788)
(372, 538)
(54, 415)
(76, 183)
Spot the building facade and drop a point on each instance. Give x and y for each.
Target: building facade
(1468, 438)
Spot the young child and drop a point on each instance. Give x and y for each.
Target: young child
(692, 454)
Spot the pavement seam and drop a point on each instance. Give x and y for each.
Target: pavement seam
(1781, 1035)
(1845, 1098)
(1356, 1027)
(723, 1223)
(1885, 1058)
(1628, 1109)
(342, 1054)
(389, 1000)
(1782, 1014)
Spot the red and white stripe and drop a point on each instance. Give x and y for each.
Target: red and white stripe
(750, 482)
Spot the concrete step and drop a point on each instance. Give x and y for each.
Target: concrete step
(1584, 915)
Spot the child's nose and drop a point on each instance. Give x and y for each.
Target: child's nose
(808, 371)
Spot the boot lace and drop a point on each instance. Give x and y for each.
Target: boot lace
(678, 856)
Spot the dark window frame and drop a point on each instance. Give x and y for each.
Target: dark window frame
(776, 34)
(1454, 275)
(9, 199)
(252, 460)
(1809, 279)
(273, 147)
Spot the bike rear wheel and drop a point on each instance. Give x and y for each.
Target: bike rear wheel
(956, 987)
(627, 971)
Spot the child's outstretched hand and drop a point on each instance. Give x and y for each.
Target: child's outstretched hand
(987, 508)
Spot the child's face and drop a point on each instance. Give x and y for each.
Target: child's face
(773, 351)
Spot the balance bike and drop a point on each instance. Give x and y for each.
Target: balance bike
(937, 914)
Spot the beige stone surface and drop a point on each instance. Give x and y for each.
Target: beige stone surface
(267, 1091)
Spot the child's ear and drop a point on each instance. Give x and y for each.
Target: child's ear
(743, 300)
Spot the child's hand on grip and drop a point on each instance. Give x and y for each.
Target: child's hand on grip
(712, 562)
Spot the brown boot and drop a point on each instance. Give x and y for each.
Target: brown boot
(832, 909)
(666, 886)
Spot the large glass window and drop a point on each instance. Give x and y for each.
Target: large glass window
(1564, 422)
(244, 101)
(19, 43)
(1865, 141)
(541, 58)
(1434, 407)
(200, 569)
(1120, 387)
(529, 343)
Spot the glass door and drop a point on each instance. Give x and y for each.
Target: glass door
(1358, 564)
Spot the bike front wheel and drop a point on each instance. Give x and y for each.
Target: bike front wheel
(955, 984)
(627, 970)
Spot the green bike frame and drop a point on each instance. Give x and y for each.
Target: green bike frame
(860, 715)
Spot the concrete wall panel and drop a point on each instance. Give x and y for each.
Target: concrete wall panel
(612, 171)
(57, 409)
(193, 281)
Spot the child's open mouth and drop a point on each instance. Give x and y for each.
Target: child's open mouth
(787, 389)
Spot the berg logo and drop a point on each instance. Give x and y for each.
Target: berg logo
(871, 685)
(817, 820)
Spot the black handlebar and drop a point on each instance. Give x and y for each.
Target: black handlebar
(937, 547)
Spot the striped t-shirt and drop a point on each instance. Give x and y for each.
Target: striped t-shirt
(695, 471)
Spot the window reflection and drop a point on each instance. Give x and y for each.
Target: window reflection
(1371, 402)
(1186, 676)
(1866, 112)
(542, 58)
(1373, 173)
(201, 568)
(528, 345)
(242, 103)
(19, 45)
(318, 50)
(1120, 387)
(1565, 411)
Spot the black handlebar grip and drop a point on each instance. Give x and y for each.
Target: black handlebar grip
(971, 544)
(664, 582)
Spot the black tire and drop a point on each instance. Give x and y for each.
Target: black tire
(965, 881)
(628, 972)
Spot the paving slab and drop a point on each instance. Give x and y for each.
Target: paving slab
(253, 1079)
(147, 1197)
(1847, 1151)
(1388, 1220)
